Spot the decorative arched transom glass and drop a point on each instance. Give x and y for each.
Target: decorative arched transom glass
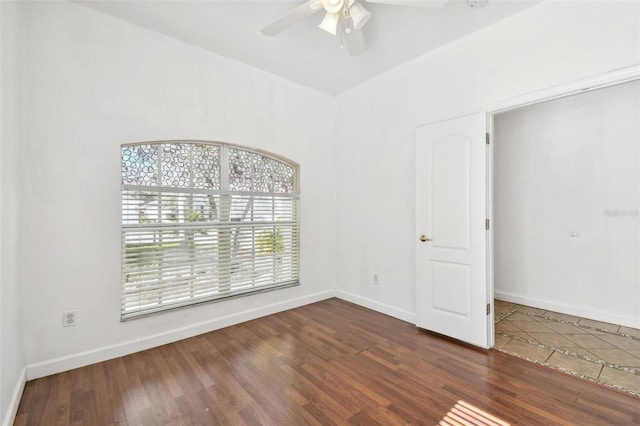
(203, 221)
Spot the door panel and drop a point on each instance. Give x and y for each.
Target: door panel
(450, 209)
(450, 218)
(451, 288)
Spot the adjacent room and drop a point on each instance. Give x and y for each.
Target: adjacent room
(300, 212)
(566, 175)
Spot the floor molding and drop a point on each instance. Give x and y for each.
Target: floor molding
(383, 308)
(82, 359)
(57, 365)
(15, 399)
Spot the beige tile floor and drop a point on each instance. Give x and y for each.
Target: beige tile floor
(598, 351)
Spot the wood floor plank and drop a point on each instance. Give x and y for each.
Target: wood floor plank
(308, 386)
(116, 385)
(326, 363)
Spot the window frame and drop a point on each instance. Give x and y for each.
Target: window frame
(279, 236)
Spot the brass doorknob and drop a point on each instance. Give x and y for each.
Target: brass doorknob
(424, 238)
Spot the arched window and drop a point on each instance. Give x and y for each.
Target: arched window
(204, 221)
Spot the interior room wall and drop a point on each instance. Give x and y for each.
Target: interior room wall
(12, 356)
(566, 195)
(94, 82)
(547, 45)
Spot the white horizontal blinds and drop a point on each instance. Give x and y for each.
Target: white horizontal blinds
(202, 222)
(263, 240)
(169, 256)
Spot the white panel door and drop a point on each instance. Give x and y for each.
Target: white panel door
(450, 229)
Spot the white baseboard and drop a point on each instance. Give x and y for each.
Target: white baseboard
(15, 399)
(578, 311)
(57, 365)
(383, 308)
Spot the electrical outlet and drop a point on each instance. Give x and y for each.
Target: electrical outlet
(375, 278)
(69, 318)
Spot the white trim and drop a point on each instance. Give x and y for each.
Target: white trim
(568, 309)
(57, 365)
(491, 331)
(610, 78)
(82, 359)
(382, 308)
(15, 399)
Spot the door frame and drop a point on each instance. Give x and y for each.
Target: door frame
(618, 76)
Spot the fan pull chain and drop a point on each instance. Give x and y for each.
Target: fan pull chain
(345, 25)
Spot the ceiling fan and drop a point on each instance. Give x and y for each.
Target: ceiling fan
(344, 18)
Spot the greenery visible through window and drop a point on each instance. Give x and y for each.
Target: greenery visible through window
(204, 221)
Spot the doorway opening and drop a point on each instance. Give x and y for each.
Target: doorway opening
(565, 197)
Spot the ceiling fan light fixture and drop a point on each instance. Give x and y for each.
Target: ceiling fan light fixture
(359, 15)
(333, 6)
(330, 23)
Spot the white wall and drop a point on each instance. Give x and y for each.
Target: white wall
(12, 357)
(566, 229)
(550, 44)
(95, 82)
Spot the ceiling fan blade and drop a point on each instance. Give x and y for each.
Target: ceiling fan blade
(354, 39)
(429, 4)
(292, 17)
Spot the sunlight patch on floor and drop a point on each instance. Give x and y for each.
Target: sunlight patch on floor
(466, 414)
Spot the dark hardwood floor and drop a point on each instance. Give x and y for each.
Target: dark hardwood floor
(331, 362)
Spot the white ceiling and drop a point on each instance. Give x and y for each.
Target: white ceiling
(304, 53)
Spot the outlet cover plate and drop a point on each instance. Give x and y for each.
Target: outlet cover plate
(69, 318)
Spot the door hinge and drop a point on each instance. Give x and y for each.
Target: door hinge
(486, 224)
(488, 308)
(487, 138)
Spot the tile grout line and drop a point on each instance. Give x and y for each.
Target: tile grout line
(598, 361)
(504, 314)
(577, 324)
(507, 313)
(601, 363)
(573, 373)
